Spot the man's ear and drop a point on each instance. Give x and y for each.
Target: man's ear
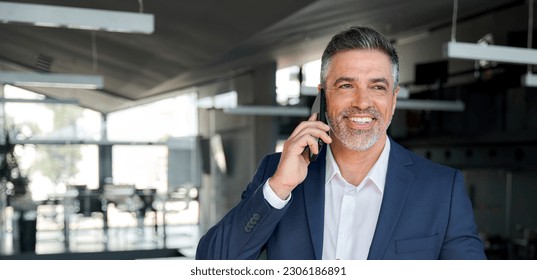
(395, 94)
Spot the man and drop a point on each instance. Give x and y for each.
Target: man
(365, 197)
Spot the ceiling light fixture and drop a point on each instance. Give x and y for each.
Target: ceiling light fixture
(76, 18)
(490, 53)
(51, 80)
(486, 52)
(529, 80)
(40, 101)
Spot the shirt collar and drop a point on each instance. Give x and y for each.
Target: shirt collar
(377, 174)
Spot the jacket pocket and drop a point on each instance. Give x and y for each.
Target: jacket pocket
(415, 244)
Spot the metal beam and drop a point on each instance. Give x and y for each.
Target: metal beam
(269, 111)
(76, 18)
(431, 105)
(402, 104)
(84, 142)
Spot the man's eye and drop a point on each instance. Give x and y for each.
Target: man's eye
(379, 87)
(345, 86)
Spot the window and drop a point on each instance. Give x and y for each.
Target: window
(288, 86)
(172, 117)
(41, 134)
(143, 165)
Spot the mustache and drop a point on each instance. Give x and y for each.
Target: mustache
(354, 110)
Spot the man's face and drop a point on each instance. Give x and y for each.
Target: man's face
(360, 97)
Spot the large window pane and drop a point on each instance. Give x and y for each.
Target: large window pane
(287, 85)
(142, 166)
(40, 137)
(312, 73)
(50, 168)
(157, 121)
(40, 121)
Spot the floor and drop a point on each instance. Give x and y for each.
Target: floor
(87, 234)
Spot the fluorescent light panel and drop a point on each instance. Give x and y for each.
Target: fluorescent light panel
(51, 80)
(76, 18)
(44, 101)
(490, 53)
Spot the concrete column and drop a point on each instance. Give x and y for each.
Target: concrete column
(245, 138)
(105, 155)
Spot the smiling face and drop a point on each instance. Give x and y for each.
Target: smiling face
(360, 97)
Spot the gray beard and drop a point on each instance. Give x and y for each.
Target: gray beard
(357, 140)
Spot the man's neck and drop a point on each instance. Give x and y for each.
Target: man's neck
(354, 165)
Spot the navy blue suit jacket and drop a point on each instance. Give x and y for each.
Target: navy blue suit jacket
(425, 214)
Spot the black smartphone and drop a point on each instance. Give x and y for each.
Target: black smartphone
(319, 107)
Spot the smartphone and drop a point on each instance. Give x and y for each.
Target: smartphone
(319, 107)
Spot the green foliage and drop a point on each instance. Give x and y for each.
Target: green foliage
(57, 162)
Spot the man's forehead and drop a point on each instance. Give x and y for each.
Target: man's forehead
(375, 63)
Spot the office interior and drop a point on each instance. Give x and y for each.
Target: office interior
(141, 164)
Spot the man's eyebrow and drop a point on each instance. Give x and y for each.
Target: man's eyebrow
(344, 79)
(352, 79)
(380, 80)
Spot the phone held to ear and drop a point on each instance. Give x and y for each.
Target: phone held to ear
(319, 107)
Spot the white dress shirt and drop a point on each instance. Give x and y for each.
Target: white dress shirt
(351, 212)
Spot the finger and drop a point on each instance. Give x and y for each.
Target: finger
(326, 138)
(312, 144)
(296, 145)
(317, 132)
(312, 141)
(306, 155)
(305, 125)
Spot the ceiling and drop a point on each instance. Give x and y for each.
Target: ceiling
(197, 42)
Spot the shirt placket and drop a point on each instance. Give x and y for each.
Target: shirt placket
(345, 234)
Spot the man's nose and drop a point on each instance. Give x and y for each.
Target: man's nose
(361, 99)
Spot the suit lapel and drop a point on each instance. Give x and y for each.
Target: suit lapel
(313, 187)
(398, 183)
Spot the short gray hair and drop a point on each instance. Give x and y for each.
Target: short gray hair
(359, 38)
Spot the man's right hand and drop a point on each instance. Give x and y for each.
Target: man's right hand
(293, 166)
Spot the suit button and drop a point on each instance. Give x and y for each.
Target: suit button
(256, 216)
(247, 229)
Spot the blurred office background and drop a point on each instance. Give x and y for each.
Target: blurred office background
(129, 139)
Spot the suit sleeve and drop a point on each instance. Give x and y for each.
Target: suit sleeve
(461, 241)
(244, 230)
